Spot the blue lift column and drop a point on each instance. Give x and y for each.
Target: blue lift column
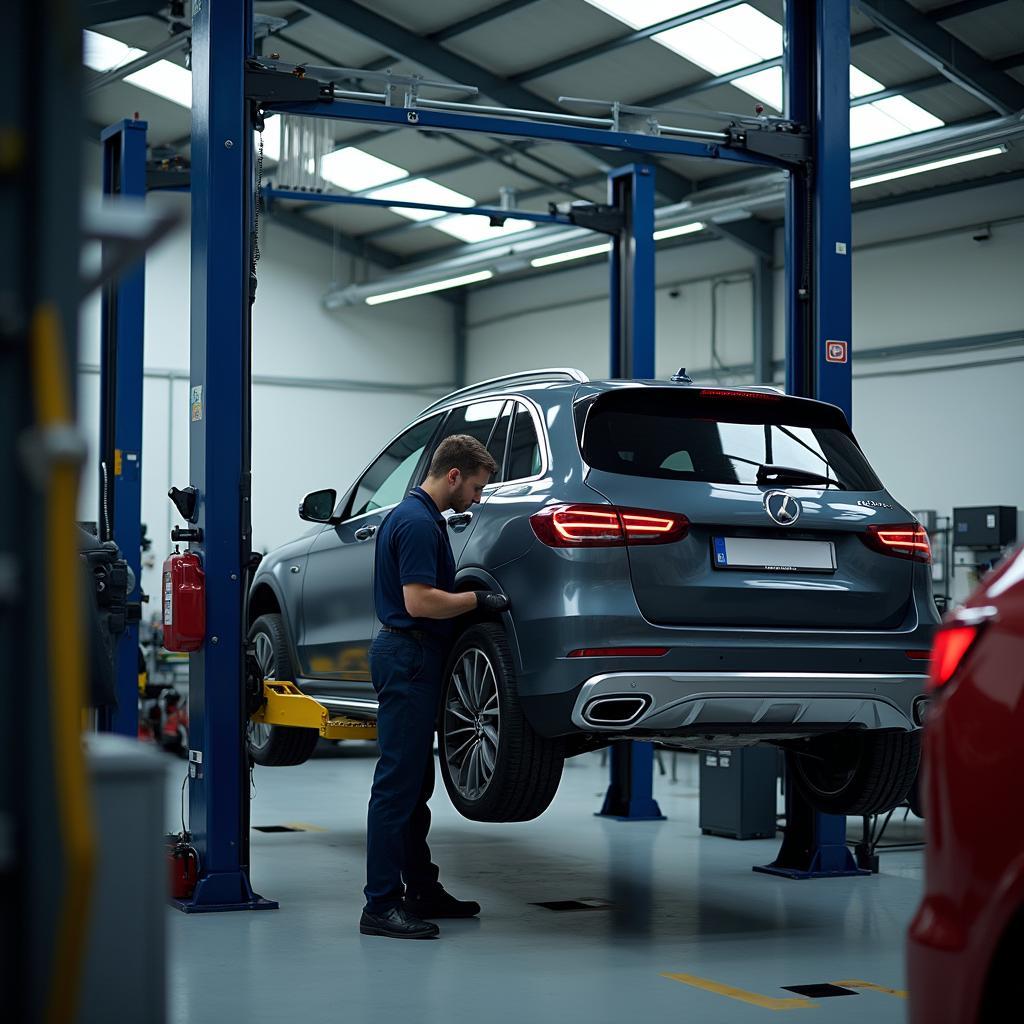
(121, 361)
(631, 191)
(219, 438)
(818, 312)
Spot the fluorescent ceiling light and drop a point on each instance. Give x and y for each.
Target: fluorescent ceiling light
(641, 13)
(862, 84)
(933, 166)
(425, 289)
(271, 137)
(171, 81)
(765, 86)
(575, 254)
(682, 229)
(885, 119)
(421, 190)
(101, 53)
(473, 228)
(730, 39)
(354, 170)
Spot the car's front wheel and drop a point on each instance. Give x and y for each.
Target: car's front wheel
(856, 773)
(276, 745)
(494, 766)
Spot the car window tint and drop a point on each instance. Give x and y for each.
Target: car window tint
(387, 481)
(476, 419)
(524, 451)
(496, 445)
(720, 436)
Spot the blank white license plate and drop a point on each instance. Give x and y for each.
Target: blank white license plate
(773, 555)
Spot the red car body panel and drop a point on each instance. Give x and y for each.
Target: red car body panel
(974, 802)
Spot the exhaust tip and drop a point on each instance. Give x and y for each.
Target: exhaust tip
(616, 710)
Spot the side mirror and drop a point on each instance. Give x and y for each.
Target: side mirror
(318, 506)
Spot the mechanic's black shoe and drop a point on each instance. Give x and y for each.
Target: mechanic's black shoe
(439, 903)
(397, 923)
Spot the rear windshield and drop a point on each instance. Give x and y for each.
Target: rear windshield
(718, 438)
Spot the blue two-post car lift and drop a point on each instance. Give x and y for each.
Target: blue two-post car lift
(232, 91)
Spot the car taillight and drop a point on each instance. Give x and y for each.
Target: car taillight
(950, 647)
(904, 541)
(581, 526)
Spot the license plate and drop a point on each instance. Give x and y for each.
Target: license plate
(773, 555)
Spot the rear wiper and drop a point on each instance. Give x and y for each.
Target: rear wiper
(769, 474)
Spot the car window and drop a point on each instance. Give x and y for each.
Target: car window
(499, 435)
(719, 436)
(476, 419)
(387, 481)
(524, 449)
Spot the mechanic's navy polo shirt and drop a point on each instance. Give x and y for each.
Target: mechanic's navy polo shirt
(412, 547)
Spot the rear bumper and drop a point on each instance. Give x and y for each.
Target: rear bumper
(766, 704)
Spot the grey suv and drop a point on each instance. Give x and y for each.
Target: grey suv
(698, 566)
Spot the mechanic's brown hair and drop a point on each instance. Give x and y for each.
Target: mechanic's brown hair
(461, 452)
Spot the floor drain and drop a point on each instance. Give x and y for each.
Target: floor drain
(275, 828)
(820, 991)
(587, 903)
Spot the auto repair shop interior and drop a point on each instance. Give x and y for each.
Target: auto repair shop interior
(731, 294)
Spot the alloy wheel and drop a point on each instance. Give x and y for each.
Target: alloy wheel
(472, 723)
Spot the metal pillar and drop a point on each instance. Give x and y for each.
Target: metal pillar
(818, 312)
(631, 191)
(222, 194)
(121, 372)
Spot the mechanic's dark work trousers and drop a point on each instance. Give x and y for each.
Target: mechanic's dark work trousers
(406, 673)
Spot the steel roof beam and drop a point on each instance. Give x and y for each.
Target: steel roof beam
(476, 20)
(100, 12)
(951, 57)
(428, 54)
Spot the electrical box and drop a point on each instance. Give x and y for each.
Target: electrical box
(987, 526)
(737, 792)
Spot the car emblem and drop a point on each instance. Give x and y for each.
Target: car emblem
(783, 508)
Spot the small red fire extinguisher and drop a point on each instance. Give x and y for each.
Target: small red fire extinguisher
(184, 601)
(183, 863)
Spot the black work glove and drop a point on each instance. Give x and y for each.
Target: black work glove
(488, 601)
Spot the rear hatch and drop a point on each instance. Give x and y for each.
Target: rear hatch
(767, 545)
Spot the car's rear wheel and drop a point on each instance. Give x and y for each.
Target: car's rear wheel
(494, 766)
(856, 772)
(276, 745)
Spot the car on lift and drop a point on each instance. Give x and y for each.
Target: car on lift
(966, 939)
(698, 566)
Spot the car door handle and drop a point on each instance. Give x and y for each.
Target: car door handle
(365, 532)
(460, 520)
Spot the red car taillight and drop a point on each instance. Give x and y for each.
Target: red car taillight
(949, 650)
(581, 526)
(905, 541)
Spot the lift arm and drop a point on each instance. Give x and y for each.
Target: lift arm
(285, 704)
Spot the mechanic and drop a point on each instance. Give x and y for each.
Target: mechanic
(414, 575)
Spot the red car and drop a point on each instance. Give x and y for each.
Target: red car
(966, 941)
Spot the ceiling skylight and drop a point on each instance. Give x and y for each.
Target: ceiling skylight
(862, 84)
(421, 190)
(101, 53)
(765, 86)
(473, 228)
(355, 171)
(731, 39)
(171, 81)
(271, 137)
(885, 119)
(641, 13)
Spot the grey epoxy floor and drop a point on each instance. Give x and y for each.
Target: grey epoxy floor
(680, 903)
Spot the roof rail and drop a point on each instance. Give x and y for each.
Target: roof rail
(554, 373)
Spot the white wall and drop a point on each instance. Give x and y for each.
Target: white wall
(940, 432)
(309, 430)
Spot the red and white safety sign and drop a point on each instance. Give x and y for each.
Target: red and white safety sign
(836, 351)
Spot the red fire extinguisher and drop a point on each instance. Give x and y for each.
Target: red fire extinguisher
(184, 602)
(183, 865)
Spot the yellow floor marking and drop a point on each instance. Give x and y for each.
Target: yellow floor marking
(897, 992)
(765, 1002)
(303, 826)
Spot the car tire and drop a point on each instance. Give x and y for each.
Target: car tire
(494, 766)
(276, 745)
(856, 773)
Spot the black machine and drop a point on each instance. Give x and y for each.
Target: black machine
(986, 527)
